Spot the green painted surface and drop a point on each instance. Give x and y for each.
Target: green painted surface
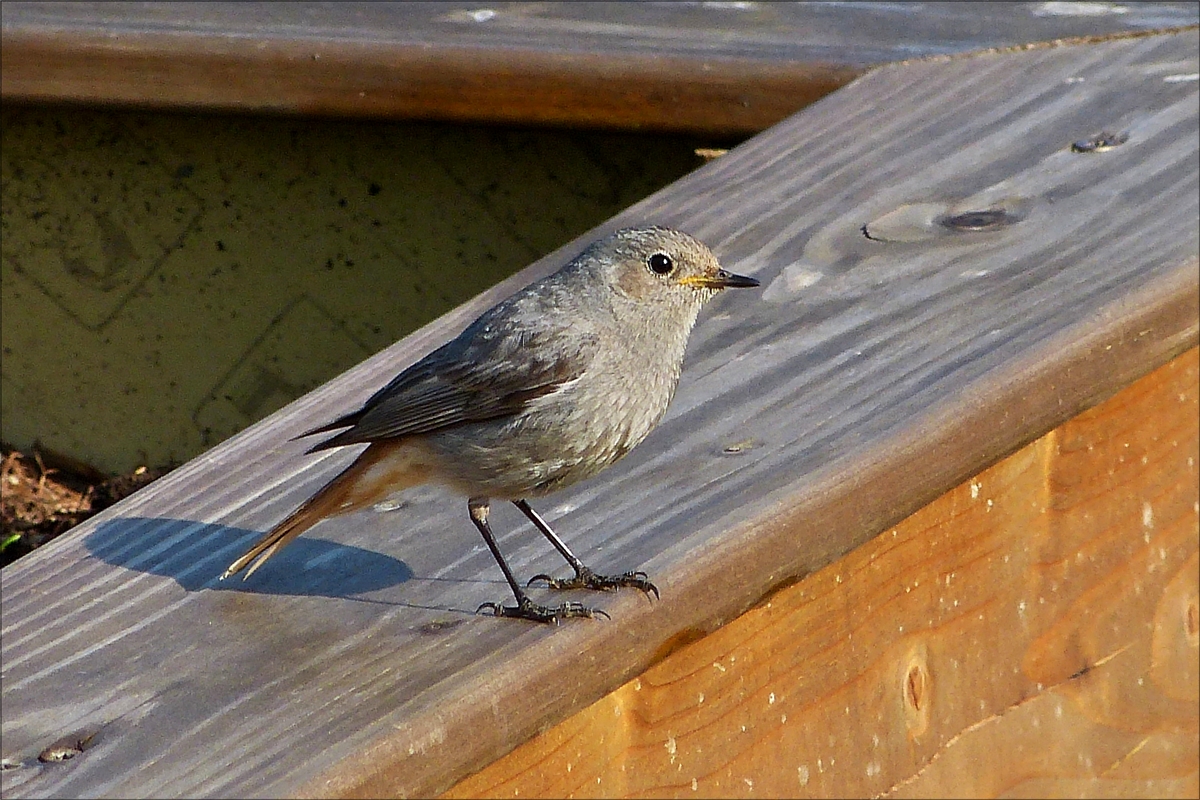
(170, 279)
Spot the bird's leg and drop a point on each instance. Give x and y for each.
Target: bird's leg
(584, 578)
(525, 608)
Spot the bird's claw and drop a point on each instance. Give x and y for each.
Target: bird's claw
(527, 609)
(586, 579)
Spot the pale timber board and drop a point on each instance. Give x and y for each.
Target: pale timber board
(717, 67)
(865, 379)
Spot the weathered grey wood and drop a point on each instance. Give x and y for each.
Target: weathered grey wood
(715, 67)
(868, 376)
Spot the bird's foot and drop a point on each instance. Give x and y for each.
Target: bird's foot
(527, 609)
(586, 579)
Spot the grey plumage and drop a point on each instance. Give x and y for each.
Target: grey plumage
(544, 389)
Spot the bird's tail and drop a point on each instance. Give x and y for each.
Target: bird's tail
(360, 484)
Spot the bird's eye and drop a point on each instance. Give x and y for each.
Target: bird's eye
(660, 263)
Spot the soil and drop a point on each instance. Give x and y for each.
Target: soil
(44, 494)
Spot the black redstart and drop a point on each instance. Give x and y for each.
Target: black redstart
(545, 389)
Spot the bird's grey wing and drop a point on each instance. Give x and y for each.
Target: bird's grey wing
(471, 379)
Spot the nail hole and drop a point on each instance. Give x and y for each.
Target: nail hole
(56, 752)
(386, 506)
(8, 763)
(914, 687)
(916, 692)
(66, 748)
(439, 625)
(972, 221)
(737, 448)
(1100, 143)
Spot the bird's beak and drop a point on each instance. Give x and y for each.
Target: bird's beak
(720, 280)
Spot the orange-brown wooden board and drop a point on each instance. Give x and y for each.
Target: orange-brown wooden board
(944, 281)
(722, 68)
(1031, 633)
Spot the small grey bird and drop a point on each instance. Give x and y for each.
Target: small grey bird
(545, 389)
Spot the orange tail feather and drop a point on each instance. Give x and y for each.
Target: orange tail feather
(360, 484)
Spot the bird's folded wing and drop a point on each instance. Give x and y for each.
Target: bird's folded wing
(471, 379)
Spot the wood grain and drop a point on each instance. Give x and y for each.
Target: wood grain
(720, 68)
(1031, 633)
(867, 378)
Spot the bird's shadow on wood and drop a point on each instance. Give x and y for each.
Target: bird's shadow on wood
(194, 554)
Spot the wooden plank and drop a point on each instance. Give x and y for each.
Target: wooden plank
(1031, 633)
(868, 377)
(723, 68)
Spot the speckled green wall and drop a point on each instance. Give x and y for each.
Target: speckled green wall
(169, 279)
